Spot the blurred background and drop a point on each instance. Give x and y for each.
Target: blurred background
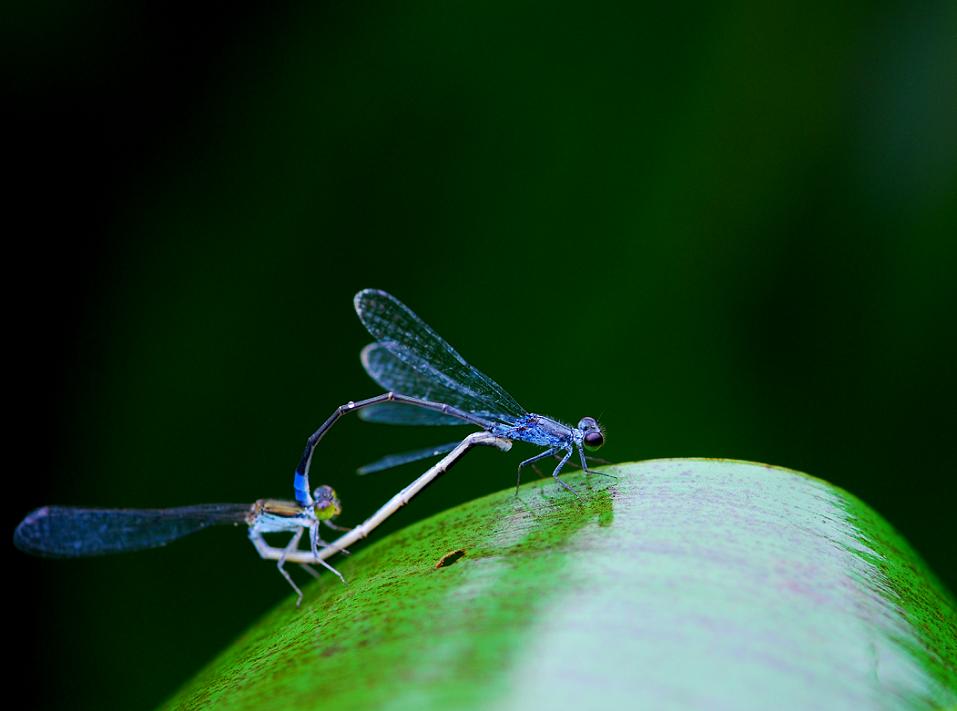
(726, 233)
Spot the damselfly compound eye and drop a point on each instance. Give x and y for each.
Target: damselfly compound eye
(327, 503)
(588, 423)
(594, 440)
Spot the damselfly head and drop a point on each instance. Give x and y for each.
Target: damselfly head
(327, 505)
(592, 436)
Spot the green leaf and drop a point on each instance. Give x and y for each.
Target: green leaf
(683, 583)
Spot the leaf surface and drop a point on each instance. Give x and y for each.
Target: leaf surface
(683, 583)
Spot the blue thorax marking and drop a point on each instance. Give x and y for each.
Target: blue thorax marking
(537, 429)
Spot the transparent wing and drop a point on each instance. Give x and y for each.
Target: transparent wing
(423, 363)
(395, 460)
(391, 413)
(392, 374)
(70, 532)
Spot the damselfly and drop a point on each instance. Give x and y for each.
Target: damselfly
(73, 532)
(429, 383)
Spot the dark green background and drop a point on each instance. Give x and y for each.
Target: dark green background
(724, 231)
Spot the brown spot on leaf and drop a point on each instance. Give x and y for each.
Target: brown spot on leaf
(450, 558)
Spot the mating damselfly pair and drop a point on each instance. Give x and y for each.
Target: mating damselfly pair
(427, 383)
